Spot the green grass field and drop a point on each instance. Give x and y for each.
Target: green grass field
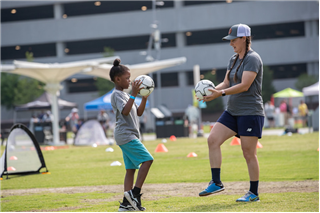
(282, 158)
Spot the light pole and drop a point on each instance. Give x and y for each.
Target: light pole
(155, 37)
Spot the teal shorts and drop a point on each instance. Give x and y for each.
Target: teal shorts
(135, 153)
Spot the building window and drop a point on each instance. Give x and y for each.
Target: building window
(168, 40)
(81, 85)
(169, 79)
(219, 75)
(272, 31)
(91, 7)
(155, 79)
(190, 78)
(191, 3)
(205, 36)
(288, 70)
(26, 13)
(19, 52)
(117, 44)
(277, 30)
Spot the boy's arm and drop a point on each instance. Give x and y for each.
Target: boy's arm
(135, 89)
(142, 106)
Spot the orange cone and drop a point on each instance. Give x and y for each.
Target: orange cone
(318, 149)
(235, 141)
(259, 145)
(173, 138)
(49, 148)
(161, 148)
(192, 155)
(13, 158)
(11, 168)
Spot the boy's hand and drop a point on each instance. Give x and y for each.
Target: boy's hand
(136, 87)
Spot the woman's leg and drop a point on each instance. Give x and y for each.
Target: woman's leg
(218, 135)
(249, 150)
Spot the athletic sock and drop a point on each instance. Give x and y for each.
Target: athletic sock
(136, 190)
(254, 187)
(215, 172)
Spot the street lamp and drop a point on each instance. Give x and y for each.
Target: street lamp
(155, 37)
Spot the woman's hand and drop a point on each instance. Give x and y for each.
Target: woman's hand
(136, 87)
(215, 94)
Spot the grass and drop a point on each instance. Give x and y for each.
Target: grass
(282, 158)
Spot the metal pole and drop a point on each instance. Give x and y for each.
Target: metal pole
(53, 89)
(196, 79)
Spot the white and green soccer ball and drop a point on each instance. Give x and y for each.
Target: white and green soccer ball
(202, 87)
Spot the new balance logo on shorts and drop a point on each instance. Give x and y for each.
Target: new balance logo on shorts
(249, 129)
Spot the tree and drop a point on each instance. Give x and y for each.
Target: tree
(267, 86)
(14, 92)
(29, 56)
(305, 80)
(104, 85)
(215, 105)
(108, 52)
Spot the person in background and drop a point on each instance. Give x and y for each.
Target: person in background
(303, 112)
(193, 115)
(269, 110)
(79, 124)
(283, 109)
(72, 119)
(103, 119)
(142, 123)
(47, 117)
(33, 120)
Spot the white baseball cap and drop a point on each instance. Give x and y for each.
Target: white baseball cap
(238, 30)
(74, 110)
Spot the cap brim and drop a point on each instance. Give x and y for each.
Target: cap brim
(229, 37)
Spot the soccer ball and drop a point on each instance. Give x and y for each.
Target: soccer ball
(147, 85)
(202, 87)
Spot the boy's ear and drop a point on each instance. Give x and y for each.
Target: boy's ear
(117, 79)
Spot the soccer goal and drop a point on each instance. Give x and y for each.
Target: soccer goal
(22, 153)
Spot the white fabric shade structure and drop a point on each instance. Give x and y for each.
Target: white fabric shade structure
(136, 69)
(52, 75)
(311, 90)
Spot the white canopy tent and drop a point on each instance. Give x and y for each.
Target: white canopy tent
(311, 90)
(52, 75)
(136, 69)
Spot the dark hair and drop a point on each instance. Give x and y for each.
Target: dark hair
(117, 69)
(235, 77)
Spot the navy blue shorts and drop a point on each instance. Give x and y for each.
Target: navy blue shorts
(247, 125)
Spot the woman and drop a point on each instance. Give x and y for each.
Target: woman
(244, 115)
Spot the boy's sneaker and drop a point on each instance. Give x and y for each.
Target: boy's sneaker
(249, 197)
(125, 207)
(212, 188)
(134, 200)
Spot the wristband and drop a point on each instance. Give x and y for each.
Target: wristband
(223, 93)
(132, 97)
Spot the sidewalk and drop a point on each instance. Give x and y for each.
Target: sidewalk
(150, 137)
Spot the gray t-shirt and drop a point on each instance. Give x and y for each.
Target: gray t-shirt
(248, 102)
(127, 127)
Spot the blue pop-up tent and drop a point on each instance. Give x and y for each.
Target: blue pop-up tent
(104, 102)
